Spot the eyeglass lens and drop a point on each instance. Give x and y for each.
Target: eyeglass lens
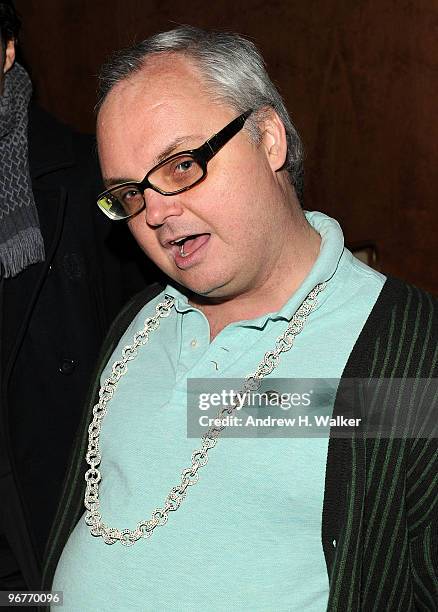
(173, 176)
(176, 174)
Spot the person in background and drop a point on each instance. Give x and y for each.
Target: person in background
(64, 276)
(199, 155)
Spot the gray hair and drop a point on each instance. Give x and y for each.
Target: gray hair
(234, 72)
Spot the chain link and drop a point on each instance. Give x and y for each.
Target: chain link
(199, 459)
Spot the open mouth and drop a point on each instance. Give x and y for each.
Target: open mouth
(189, 244)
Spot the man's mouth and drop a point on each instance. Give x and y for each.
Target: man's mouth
(188, 250)
(189, 244)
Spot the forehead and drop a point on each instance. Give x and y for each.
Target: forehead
(167, 89)
(164, 101)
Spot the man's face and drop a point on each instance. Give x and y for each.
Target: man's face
(233, 217)
(6, 60)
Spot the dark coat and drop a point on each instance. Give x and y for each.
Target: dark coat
(54, 316)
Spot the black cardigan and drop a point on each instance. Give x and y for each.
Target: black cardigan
(379, 524)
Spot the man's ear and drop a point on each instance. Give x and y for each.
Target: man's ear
(274, 139)
(9, 56)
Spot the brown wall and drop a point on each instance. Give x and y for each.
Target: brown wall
(360, 78)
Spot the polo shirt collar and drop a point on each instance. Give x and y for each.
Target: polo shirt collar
(323, 270)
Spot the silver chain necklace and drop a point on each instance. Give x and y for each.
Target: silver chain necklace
(190, 475)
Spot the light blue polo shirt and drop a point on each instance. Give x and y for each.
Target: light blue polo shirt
(248, 534)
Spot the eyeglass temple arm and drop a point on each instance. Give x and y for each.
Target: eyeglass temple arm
(216, 142)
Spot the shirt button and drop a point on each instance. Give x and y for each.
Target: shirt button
(194, 343)
(67, 367)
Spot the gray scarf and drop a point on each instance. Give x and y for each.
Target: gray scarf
(21, 242)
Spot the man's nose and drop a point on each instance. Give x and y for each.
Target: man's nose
(160, 207)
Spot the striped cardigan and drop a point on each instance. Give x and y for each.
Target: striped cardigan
(379, 523)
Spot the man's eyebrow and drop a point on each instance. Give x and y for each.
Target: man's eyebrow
(117, 180)
(177, 142)
(174, 145)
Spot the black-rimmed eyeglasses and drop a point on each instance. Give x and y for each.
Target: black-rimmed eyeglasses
(177, 173)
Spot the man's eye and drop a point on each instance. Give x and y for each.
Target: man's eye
(184, 166)
(129, 194)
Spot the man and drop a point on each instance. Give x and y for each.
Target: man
(61, 284)
(199, 155)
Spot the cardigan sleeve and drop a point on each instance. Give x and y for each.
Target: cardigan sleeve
(422, 516)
